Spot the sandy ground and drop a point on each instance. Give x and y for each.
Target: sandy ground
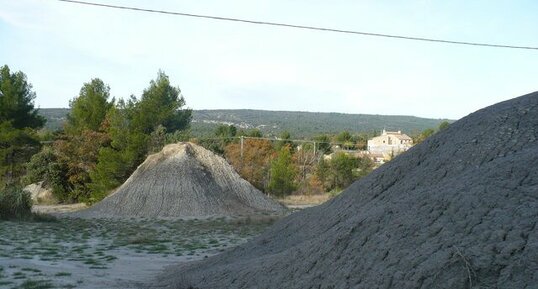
(76, 253)
(304, 201)
(47, 209)
(128, 271)
(105, 253)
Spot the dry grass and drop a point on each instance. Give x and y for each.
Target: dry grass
(304, 200)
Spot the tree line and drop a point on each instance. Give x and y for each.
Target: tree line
(282, 166)
(104, 139)
(101, 144)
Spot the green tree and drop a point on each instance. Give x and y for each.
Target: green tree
(76, 151)
(322, 172)
(17, 101)
(18, 122)
(364, 166)
(225, 131)
(323, 143)
(135, 128)
(126, 150)
(250, 133)
(361, 141)
(341, 166)
(224, 135)
(161, 104)
(38, 166)
(284, 140)
(282, 173)
(157, 139)
(423, 135)
(79, 155)
(16, 148)
(89, 108)
(444, 125)
(346, 139)
(45, 166)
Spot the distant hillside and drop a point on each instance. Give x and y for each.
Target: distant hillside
(305, 124)
(299, 124)
(55, 117)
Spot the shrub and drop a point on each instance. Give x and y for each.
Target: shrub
(283, 173)
(15, 203)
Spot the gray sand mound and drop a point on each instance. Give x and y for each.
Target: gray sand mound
(457, 211)
(183, 180)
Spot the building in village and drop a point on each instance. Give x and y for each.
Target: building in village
(380, 149)
(389, 144)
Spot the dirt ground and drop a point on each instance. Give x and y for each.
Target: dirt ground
(76, 253)
(304, 201)
(106, 253)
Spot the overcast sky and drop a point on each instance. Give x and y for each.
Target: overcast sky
(225, 65)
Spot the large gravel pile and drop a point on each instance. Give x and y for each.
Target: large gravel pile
(183, 180)
(457, 211)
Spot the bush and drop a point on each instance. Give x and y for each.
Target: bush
(38, 166)
(45, 167)
(282, 173)
(15, 203)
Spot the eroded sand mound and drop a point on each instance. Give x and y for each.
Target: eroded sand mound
(183, 180)
(457, 211)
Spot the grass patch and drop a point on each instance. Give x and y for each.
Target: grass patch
(91, 261)
(109, 258)
(36, 284)
(15, 203)
(98, 243)
(30, 269)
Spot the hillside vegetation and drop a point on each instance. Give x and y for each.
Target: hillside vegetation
(271, 123)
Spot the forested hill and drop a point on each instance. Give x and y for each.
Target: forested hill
(55, 117)
(299, 124)
(305, 124)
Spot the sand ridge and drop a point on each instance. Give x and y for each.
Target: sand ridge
(456, 211)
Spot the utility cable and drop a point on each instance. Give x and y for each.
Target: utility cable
(301, 26)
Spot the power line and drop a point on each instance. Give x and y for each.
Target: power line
(301, 26)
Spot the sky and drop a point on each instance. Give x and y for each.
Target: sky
(227, 65)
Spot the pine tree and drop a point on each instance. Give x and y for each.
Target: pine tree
(18, 122)
(283, 173)
(89, 108)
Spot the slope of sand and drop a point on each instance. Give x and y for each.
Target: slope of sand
(456, 211)
(183, 180)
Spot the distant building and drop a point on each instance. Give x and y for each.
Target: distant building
(390, 143)
(380, 148)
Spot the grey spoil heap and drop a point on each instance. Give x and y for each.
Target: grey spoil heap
(183, 180)
(456, 211)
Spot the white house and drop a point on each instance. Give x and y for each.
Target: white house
(390, 143)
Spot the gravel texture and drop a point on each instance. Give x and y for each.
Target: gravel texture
(456, 211)
(183, 180)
